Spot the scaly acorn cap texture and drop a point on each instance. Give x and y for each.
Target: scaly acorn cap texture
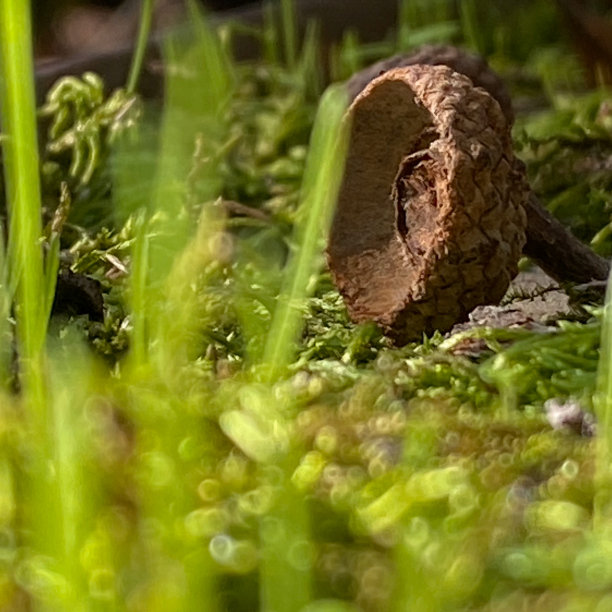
(459, 60)
(549, 243)
(430, 220)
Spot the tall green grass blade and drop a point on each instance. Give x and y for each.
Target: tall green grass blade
(425, 22)
(348, 57)
(404, 25)
(471, 26)
(22, 271)
(55, 507)
(285, 573)
(22, 182)
(264, 430)
(602, 511)
(289, 30)
(192, 115)
(310, 62)
(52, 258)
(270, 34)
(171, 251)
(287, 555)
(193, 129)
(146, 19)
(213, 69)
(202, 125)
(320, 186)
(138, 290)
(6, 333)
(73, 499)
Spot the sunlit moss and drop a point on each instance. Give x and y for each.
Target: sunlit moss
(379, 477)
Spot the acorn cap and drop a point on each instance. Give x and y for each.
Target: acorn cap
(459, 60)
(430, 221)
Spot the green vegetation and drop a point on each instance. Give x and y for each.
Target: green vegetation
(225, 438)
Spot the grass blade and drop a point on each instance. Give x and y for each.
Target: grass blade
(20, 146)
(320, 187)
(602, 511)
(285, 572)
(289, 29)
(146, 18)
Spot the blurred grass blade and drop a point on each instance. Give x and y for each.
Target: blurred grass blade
(174, 241)
(320, 186)
(198, 86)
(310, 65)
(286, 572)
(286, 565)
(602, 511)
(270, 34)
(146, 18)
(213, 69)
(471, 26)
(138, 290)
(52, 259)
(6, 333)
(289, 29)
(72, 374)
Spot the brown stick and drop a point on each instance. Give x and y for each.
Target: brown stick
(560, 254)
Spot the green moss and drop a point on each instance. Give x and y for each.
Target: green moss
(379, 477)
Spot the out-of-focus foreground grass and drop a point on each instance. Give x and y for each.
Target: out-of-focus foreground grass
(253, 449)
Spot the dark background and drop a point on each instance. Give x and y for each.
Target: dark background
(67, 27)
(84, 28)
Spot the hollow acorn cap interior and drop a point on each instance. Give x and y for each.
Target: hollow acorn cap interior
(430, 220)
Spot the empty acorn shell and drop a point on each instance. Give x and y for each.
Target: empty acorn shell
(430, 221)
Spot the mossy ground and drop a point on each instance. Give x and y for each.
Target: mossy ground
(423, 477)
